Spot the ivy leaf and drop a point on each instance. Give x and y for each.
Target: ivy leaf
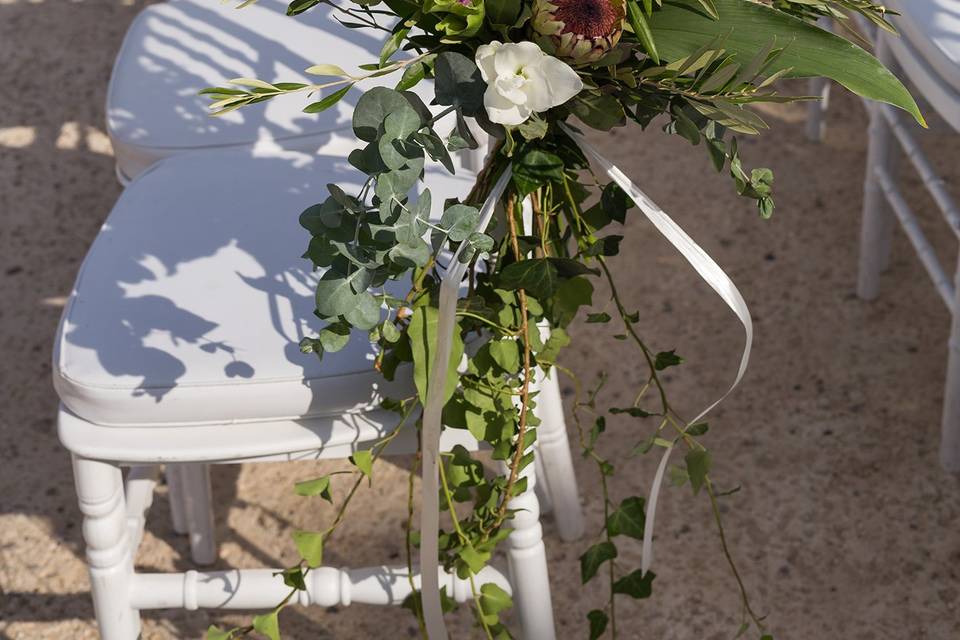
(316, 487)
(293, 578)
(363, 460)
(473, 560)
(628, 519)
(598, 317)
(535, 169)
(268, 624)
(598, 623)
(666, 359)
(506, 354)
(570, 296)
(215, 633)
(698, 466)
(493, 599)
(423, 341)
(595, 556)
(636, 584)
(310, 547)
(558, 340)
(538, 277)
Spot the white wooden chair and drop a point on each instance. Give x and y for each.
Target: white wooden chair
(174, 49)
(179, 345)
(928, 53)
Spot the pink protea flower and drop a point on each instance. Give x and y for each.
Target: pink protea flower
(579, 30)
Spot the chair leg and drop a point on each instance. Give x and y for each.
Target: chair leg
(100, 494)
(178, 516)
(876, 232)
(198, 511)
(527, 556)
(817, 109)
(950, 428)
(556, 461)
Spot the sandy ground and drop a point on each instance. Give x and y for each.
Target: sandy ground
(845, 526)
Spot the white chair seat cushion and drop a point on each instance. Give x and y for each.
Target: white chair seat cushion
(190, 304)
(933, 28)
(174, 49)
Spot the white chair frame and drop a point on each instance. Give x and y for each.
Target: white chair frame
(115, 512)
(884, 203)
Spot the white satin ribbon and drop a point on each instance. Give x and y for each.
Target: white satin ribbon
(712, 274)
(430, 432)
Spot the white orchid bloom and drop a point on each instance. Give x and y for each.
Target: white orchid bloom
(522, 80)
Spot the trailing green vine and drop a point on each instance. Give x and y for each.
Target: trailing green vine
(524, 72)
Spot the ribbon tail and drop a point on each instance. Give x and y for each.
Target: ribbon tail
(711, 273)
(431, 429)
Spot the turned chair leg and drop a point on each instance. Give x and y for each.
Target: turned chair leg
(178, 516)
(556, 462)
(876, 232)
(100, 494)
(950, 428)
(527, 557)
(198, 511)
(817, 109)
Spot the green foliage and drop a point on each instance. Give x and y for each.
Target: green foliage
(594, 557)
(701, 65)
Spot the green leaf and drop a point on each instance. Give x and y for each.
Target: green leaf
(327, 70)
(473, 559)
(642, 30)
(598, 623)
(423, 340)
(601, 317)
(316, 487)
(268, 624)
(743, 28)
(335, 337)
(310, 547)
(460, 221)
(637, 584)
(493, 599)
(570, 296)
(458, 83)
(215, 633)
(598, 111)
(363, 460)
(698, 466)
(595, 556)
(506, 354)
(372, 109)
(633, 412)
(666, 359)
(628, 519)
(327, 101)
(293, 578)
(502, 12)
(535, 169)
(299, 6)
(558, 340)
(538, 277)
(336, 294)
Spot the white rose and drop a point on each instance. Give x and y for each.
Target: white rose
(522, 79)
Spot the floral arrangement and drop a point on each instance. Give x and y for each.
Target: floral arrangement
(530, 74)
